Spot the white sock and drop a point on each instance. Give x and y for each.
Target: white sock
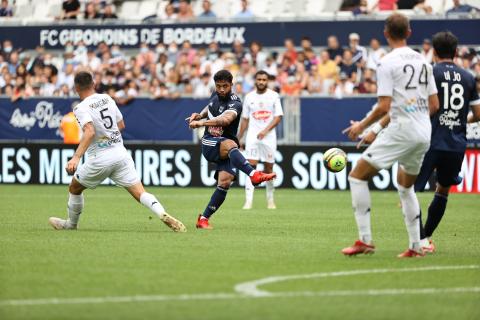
(75, 207)
(149, 201)
(361, 205)
(411, 215)
(270, 189)
(249, 189)
(252, 173)
(424, 242)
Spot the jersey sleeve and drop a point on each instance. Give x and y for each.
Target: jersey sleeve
(235, 106)
(246, 111)
(384, 80)
(431, 85)
(278, 107)
(83, 117)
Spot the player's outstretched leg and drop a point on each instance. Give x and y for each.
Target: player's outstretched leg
(436, 210)
(152, 203)
(74, 207)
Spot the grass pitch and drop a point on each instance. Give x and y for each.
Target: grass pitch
(122, 253)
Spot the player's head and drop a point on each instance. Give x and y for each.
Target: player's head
(445, 45)
(397, 28)
(261, 80)
(83, 82)
(223, 83)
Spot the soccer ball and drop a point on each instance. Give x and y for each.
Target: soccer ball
(335, 159)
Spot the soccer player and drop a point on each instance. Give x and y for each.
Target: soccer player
(220, 143)
(407, 91)
(457, 92)
(262, 112)
(101, 122)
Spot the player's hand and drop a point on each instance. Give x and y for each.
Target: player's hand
(367, 139)
(193, 117)
(355, 129)
(72, 165)
(196, 124)
(261, 135)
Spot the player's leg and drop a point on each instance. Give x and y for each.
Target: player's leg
(448, 168)
(361, 203)
(269, 187)
(229, 149)
(249, 188)
(74, 207)
(411, 211)
(267, 155)
(224, 181)
(125, 175)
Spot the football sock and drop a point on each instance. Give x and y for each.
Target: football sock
(361, 206)
(238, 161)
(215, 201)
(435, 213)
(75, 207)
(422, 229)
(411, 215)
(249, 189)
(270, 189)
(151, 202)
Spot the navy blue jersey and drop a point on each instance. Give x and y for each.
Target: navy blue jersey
(456, 92)
(216, 107)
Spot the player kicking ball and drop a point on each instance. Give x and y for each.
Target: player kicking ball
(220, 143)
(457, 92)
(407, 91)
(101, 122)
(262, 112)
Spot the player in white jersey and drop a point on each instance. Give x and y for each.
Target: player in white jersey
(101, 122)
(262, 112)
(407, 91)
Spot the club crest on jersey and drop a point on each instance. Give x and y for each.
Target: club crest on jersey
(221, 109)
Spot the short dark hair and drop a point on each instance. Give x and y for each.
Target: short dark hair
(397, 26)
(445, 44)
(223, 75)
(83, 80)
(261, 72)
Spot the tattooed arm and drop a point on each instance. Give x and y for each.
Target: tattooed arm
(222, 120)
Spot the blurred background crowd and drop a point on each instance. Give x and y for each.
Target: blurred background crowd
(172, 71)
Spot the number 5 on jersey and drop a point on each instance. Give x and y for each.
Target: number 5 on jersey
(106, 117)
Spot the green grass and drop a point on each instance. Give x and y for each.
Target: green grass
(119, 251)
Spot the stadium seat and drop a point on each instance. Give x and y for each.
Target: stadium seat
(129, 9)
(145, 9)
(24, 11)
(331, 5)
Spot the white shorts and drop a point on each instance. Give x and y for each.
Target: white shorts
(123, 173)
(259, 150)
(391, 146)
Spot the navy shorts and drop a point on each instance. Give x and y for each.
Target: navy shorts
(447, 166)
(211, 152)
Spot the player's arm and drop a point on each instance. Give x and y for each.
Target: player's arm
(222, 120)
(198, 116)
(275, 121)
(121, 125)
(85, 141)
(371, 135)
(243, 127)
(475, 115)
(433, 104)
(357, 127)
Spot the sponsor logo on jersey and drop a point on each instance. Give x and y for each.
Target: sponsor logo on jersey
(215, 131)
(262, 115)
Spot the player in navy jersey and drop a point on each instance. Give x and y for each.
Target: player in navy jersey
(457, 92)
(220, 143)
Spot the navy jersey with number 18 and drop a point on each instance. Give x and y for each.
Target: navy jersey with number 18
(456, 92)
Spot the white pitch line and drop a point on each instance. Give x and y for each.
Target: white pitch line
(250, 288)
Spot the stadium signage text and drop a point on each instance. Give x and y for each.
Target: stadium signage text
(167, 165)
(135, 36)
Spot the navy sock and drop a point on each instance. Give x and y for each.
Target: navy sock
(215, 201)
(435, 213)
(422, 229)
(239, 161)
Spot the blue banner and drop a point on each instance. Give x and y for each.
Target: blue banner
(270, 34)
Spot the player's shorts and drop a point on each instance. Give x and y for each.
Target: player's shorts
(123, 173)
(211, 152)
(259, 150)
(391, 146)
(447, 165)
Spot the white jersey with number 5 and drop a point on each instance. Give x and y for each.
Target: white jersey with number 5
(260, 109)
(107, 146)
(407, 77)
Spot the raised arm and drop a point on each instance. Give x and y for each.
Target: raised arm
(85, 141)
(222, 120)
